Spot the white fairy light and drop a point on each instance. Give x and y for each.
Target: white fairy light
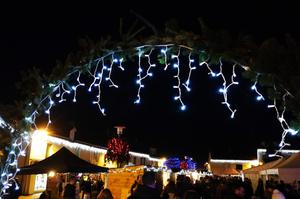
(211, 72)
(62, 92)
(253, 87)
(140, 75)
(51, 103)
(110, 69)
(10, 169)
(186, 84)
(100, 78)
(225, 88)
(176, 65)
(164, 52)
(78, 85)
(283, 123)
(95, 76)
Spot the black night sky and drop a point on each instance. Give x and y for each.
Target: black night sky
(40, 36)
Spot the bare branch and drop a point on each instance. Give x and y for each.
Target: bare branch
(146, 22)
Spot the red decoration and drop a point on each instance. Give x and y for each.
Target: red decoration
(117, 151)
(184, 165)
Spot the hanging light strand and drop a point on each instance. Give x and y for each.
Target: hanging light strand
(224, 89)
(177, 86)
(253, 87)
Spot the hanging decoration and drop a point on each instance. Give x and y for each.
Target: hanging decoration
(172, 163)
(117, 151)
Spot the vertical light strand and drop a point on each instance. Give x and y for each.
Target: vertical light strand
(176, 65)
(110, 69)
(164, 52)
(140, 72)
(139, 75)
(186, 84)
(100, 77)
(51, 103)
(225, 88)
(74, 88)
(94, 75)
(253, 87)
(280, 117)
(64, 91)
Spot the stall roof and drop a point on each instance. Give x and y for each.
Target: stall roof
(63, 161)
(265, 166)
(291, 162)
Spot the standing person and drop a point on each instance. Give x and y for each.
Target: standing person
(148, 189)
(87, 189)
(105, 194)
(135, 185)
(59, 186)
(70, 189)
(259, 193)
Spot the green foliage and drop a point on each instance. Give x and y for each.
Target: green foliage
(161, 59)
(203, 56)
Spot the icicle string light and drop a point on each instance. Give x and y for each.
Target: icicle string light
(51, 103)
(177, 86)
(59, 90)
(140, 75)
(283, 123)
(10, 169)
(164, 52)
(98, 85)
(186, 84)
(253, 87)
(62, 92)
(110, 69)
(74, 88)
(225, 87)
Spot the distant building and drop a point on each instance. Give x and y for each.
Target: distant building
(233, 167)
(222, 167)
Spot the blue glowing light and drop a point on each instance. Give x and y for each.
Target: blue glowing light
(137, 101)
(183, 107)
(163, 51)
(292, 131)
(258, 98)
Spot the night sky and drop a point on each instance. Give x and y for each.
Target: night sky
(39, 37)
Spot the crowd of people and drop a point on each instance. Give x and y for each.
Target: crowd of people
(149, 186)
(212, 187)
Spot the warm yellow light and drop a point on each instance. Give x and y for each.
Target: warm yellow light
(161, 162)
(50, 151)
(195, 176)
(38, 145)
(51, 174)
(254, 163)
(111, 164)
(165, 176)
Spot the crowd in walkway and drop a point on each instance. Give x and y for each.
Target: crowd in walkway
(149, 186)
(212, 188)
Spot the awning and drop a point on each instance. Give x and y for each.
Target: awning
(63, 161)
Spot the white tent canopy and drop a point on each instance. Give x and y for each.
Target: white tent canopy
(288, 170)
(254, 173)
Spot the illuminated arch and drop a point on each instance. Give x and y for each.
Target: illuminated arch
(101, 67)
